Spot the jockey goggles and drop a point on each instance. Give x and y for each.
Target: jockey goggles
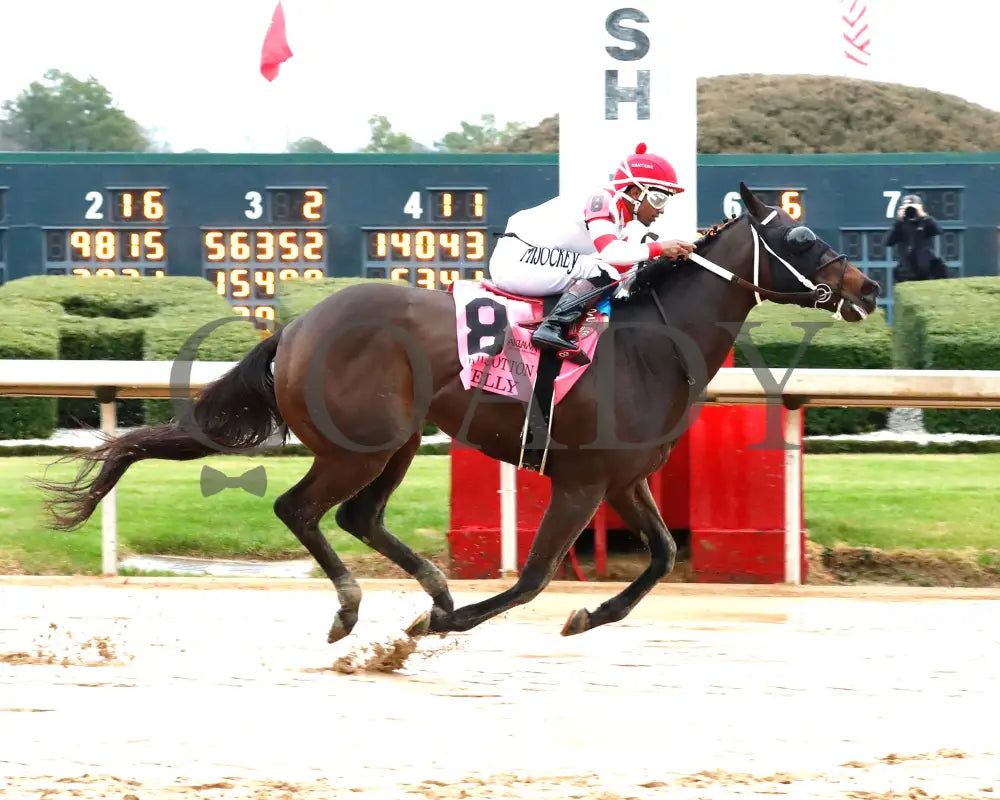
(657, 197)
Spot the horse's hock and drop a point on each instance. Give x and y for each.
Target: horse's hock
(724, 482)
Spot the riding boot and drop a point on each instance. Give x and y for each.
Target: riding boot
(552, 332)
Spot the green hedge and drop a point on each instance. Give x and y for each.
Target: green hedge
(939, 325)
(297, 297)
(30, 332)
(135, 319)
(840, 345)
(950, 324)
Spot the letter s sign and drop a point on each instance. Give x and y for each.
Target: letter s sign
(639, 40)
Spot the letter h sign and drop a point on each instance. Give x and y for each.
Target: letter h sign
(614, 92)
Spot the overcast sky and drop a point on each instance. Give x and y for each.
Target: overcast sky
(188, 69)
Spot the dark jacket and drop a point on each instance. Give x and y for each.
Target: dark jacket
(917, 260)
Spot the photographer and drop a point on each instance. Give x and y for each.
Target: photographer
(912, 234)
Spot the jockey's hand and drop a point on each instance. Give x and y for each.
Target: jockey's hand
(676, 248)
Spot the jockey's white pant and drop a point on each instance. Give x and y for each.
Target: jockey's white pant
(521, 268)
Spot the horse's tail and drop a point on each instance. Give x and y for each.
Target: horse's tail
(237, 411)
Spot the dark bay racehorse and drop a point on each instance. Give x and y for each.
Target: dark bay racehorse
(358, 374)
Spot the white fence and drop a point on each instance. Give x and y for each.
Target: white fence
(730, 386)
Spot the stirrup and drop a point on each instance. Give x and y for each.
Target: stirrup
(576, 356)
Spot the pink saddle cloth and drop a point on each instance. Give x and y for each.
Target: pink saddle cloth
(495, 350)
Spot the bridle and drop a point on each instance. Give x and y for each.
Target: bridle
(817, 294)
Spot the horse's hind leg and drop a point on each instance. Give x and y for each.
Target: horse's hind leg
(363, 516)
(635, 505)
(569, 510)
(301, 508)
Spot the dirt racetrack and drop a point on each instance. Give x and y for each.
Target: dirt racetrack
(144, 689)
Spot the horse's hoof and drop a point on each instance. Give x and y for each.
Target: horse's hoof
(338, 630)
(421, 625)
(578, 622)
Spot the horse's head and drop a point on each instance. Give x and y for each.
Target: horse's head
(801, 260)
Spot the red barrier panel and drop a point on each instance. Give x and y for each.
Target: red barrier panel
(724, 482)
(737, 496)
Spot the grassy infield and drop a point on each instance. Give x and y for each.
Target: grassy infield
(937, 502)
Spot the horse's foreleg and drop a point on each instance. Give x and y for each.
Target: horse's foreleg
(301, 508)
(569, 510)
(363, 516)
(635, 505)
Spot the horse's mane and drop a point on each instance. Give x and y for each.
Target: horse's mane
(671, 269)
(709, 235)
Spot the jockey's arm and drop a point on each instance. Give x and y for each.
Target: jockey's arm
(620, 252)
(613, 250)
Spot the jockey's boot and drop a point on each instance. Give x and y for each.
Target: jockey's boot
(551, 333)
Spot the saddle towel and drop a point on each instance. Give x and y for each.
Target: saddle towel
(495, 350)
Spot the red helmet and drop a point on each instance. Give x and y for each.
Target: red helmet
(647, 171)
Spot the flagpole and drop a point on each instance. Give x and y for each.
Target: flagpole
(274, 52)
(287, 112)
(285, 97)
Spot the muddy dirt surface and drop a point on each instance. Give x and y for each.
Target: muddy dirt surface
(146, 689)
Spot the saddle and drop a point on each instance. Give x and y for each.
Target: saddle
(548, 302)
(493, 330)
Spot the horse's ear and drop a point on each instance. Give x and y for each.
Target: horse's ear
(753, 206)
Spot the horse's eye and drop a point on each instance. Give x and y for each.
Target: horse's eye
(799, 239)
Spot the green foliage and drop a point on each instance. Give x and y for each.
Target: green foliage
(939, 325)
(64, 113)
(481, 138)
(307, 144)
(817, 114)
(778, 333)
(540, 138)
(383, 139)
(297, 297)
(29, 333)
(140, 319)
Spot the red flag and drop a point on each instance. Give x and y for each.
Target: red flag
(275, 50)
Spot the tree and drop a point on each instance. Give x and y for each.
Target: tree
(64, 113)
(385, 140)
(481, 138)
(540, 138)
(307, 144)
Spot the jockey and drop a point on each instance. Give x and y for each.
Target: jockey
(571, 247)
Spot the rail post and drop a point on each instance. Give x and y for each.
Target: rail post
(793, 493)
(508, 519)
(109, 505)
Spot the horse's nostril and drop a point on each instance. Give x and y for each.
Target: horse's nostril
(870, 288)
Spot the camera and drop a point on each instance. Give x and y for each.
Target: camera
(910, 204)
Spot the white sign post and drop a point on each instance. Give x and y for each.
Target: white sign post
(631, 79)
